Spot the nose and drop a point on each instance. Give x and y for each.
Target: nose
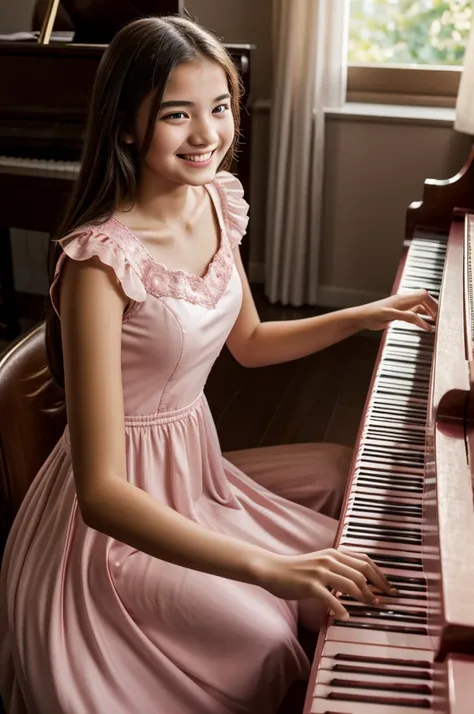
(204, 132)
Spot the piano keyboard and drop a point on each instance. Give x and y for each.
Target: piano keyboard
(40, 167)
(380, 660)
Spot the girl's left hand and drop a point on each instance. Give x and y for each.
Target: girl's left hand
(418, 308)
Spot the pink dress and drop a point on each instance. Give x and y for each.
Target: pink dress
(89, 625)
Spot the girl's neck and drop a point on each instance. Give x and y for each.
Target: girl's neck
(170, 204)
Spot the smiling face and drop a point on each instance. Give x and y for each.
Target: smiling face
(194, 127)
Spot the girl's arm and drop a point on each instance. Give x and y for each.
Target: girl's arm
(257, 344)
(92, 308)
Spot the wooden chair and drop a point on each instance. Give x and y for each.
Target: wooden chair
(27, 432)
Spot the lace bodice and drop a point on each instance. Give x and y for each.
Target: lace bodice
(140, 274)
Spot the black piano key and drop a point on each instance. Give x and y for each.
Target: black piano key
(413, 568)
(416, 617)
(422, 664)
(364, 499)
(386, 387)
(389, 471)
(415, 437)
(374, 671)
(408, 596)
(389, 539)
(403, 629)
(389, 458)
(397, 478)
(391, 487)
(364, 527)
(416, 440)
(371, 470)
(402, 560)
(413, 454)
(379, 528)
(405, 509)
(385, 507)
(395, 561)
(400, 376)
(412, 470)
(409, 580)
(405, 389)
(380, 511)
(385, 447)
(408, 590)
(389, 419)
(390, 482)
(406, 376)
(405, 687)
(394, 433)
(387, 701)
(397, 596)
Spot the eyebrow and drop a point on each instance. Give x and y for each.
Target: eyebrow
(176, 103)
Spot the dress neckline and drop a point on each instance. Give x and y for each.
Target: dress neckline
(178, 272)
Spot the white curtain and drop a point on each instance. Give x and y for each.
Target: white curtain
(310, 73)
(464, 120)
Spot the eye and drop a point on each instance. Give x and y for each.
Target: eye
(175, 115)
(221, 108)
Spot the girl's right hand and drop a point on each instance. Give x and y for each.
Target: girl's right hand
(297, 577)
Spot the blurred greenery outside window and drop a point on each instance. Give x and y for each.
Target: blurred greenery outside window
(407, 51)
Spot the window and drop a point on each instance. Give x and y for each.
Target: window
(407, 51)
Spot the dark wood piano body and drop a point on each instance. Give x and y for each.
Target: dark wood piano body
(409, 502)
(44, 97)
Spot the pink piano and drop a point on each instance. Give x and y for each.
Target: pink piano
(409, 503)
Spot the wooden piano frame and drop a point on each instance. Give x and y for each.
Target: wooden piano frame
(450, 412)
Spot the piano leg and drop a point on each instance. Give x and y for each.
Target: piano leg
(9, 317)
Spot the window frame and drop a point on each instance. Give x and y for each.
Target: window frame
(434, 86)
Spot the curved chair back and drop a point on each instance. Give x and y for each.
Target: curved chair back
(27, 432)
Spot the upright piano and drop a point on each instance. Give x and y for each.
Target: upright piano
(409, 502)
(44, 96)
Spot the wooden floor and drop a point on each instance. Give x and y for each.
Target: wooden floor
(318, 398)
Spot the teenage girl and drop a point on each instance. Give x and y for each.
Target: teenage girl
(145, 573)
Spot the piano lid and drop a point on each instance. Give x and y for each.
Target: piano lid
(97, 21)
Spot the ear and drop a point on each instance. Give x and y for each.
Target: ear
(128, 138)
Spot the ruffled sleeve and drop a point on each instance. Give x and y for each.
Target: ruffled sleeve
(234, 207)
(89, 242)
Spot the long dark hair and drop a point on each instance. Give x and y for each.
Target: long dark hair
(138, 61)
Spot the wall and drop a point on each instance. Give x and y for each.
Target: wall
(15, 15)
(374, 167)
